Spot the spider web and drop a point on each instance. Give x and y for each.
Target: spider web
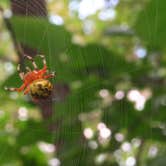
(72, 102)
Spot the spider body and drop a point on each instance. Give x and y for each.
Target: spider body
(41, 88)
(35, 81)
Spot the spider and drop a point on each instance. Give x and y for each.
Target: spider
(35, 81)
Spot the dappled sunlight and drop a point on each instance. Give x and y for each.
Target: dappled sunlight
(119, 137)
(130, 161)
(108, 14)
(2, 113)
(88, 27)
(153, 150)
(23, 114)
(140, 52)
(104, 133)
(107, 99)
(100, 158)
(56, 19)
(88, 133)
(139, 98)
(54, 162)
(89, 7)
(9, 67)
(46, 147)
(8, 13)
(126, 155)
(126, 147)
(104, 93)
(93, 144)
(119, 95)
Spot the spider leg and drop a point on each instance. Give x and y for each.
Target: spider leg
(10, 89)
(16, 89)
(21, 74)
(51, 75)
(44, 69)
(43, 59)
(27, 90)
(28, 69)
(31, 59)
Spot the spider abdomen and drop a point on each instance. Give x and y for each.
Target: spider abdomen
(41, 88)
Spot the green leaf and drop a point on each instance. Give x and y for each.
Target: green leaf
(40, 34)
(80, 100)
(34, 157)
(79, 61)
(95, 56)
(150, 25)
(121, 116)
(37, 131)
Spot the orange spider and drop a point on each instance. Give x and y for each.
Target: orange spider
(35, 81)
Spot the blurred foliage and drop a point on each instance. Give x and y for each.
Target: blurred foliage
(151, 23)
(114, 113)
